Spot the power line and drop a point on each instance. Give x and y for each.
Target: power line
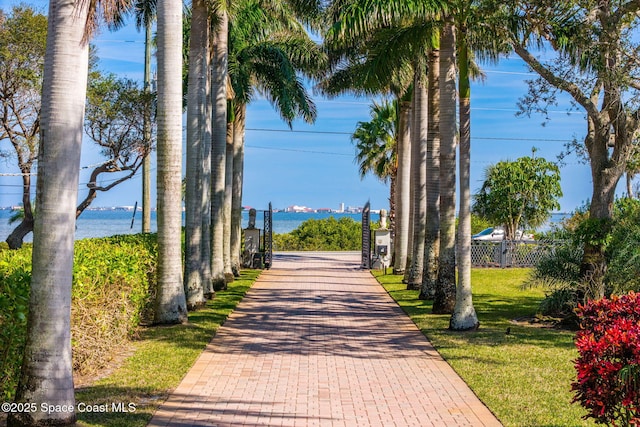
(321, 132)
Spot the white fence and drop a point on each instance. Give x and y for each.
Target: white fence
(509, 253)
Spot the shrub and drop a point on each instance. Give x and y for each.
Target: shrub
(559, 270)
(623, 252)
(15, 274)
(608, 366)
(111, 288)
(328, 234)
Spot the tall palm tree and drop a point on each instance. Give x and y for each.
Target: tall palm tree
(268, 51)
(145, 14)
(471, 37)
(376, 143)
(464, 315)
(197, 218)
(366, 65)
(445, 295)
(218, 145)
(432, 184)
(47, 374)
(418, 178)
(170, 304)
(408, 29)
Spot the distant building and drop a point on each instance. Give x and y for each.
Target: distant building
(323, 210)
(341, 208)
(296, 208)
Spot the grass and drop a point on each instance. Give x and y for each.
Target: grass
(160, 359)
(524, 377)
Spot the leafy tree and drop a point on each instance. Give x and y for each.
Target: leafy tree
(115, 121)
(519, 193)
(633, 168)
(22, 49)
(591, 41)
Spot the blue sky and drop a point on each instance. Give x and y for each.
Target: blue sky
(313, 164)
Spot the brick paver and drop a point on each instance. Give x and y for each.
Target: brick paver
(318, 342)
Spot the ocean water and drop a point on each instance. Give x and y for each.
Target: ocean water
(102, 223)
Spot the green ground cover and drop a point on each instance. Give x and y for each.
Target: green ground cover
(158, 360)
(525, 376)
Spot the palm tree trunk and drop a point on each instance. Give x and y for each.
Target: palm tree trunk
(47, 371)
(445, 296)
(432, 232)
(238, 177)
(170, 300)
(146, 163)
(197, 133)
(403, 196)
(218, 151)
(228, 194)
(464, 316)
(413, 135)
(419, 178)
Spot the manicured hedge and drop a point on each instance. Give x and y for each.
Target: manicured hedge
(111, 291)
(328, 234)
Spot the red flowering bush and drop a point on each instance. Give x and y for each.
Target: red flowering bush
(608, 366)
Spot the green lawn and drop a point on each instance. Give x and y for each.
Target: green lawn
(524, 377)
(161, 357)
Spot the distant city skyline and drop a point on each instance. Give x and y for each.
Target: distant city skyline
(313, 165)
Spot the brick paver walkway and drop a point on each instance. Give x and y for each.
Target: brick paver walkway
(318, 342)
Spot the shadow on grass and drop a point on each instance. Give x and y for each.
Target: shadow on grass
(495, 313)
(113, 406)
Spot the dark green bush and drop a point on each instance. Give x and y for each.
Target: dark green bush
(329, 234)
(623, 250)
(15, 274)
(111, 289)
(559, 271)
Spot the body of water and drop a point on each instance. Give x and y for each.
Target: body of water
(102, 223)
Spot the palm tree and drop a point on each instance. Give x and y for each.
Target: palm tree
(464, 315)
(472, 35)
(145, 14)
(418, 179)
(218, 146)
(408, 30)
(229, 274)
(371, 67)
(170, 304)
(445, 295)
(376, 143)
(432, 231)
(47, 374)
(268, 49)
(197, 218)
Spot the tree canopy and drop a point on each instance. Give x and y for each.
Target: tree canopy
(519, 193)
